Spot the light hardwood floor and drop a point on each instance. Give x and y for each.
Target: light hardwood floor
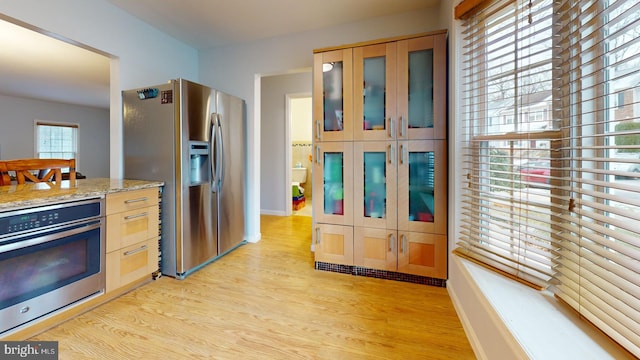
(265, 301)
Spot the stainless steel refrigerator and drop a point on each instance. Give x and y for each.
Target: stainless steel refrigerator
(193, 138)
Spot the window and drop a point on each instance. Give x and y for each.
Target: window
(56, 140)
(553, 199)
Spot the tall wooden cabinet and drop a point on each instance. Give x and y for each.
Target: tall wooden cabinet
(380, 161)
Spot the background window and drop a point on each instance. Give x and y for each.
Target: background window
(56, 140)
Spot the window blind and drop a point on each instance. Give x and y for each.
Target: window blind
(551, 113)
(510, 191)
(598, 264)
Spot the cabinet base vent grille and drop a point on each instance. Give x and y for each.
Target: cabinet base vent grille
(380, 274)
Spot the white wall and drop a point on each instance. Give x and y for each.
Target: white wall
(273, 148)
(302, 114)
(242, 63)
(17, 136)
(141, 55)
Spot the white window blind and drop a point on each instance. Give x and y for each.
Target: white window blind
(553, 197)
(598, 268)
(510, 139)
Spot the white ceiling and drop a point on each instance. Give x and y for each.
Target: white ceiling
(42, 67)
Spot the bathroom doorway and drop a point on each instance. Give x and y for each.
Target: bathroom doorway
(299, 135)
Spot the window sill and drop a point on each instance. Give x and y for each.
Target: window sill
(492, 310)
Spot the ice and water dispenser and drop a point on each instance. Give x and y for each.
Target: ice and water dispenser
(199, 168)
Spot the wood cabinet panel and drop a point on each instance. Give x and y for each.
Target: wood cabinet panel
(131, 263)
(129, 227)
(422, 254)
(375, 248)
(333, 244)
(130, 200)
(132, 232)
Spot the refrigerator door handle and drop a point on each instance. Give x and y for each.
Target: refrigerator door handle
(220, 154)
(213, 163)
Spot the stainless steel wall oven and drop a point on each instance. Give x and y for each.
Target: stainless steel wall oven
(50, 257)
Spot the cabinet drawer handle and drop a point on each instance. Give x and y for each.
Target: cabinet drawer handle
(392, 154)
(402, 127)
(391, 128)
(317, 154)
(134, 251)
(402, 159)
(317, 236)
(391, 241)
(130, 201)
(318, 129)
(130, 217)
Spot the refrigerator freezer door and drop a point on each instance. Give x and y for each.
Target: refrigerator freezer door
(149, 139)
(199, 204)
(231, 113)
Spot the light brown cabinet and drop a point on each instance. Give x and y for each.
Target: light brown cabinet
(391, 173)
(131, 236)
(332, 89)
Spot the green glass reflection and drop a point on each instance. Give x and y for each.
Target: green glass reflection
(421, 89)
(333, 183)
(375, 187)
(374, 93)
(333, 102)
(421, 190)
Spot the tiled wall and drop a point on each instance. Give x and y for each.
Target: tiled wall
(301, 152)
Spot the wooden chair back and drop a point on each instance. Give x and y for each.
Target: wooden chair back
(36, 170)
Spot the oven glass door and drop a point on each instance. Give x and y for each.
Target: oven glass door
(44, 262)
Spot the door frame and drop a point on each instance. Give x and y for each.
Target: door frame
(288, 162)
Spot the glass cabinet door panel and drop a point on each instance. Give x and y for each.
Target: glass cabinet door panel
(374, 94)
(375, 179)
(333, 183)
(420, 89)
(333, 171)
(422, 188)
(374, 77)
(333, 95)
(332, 99)
(374, 189)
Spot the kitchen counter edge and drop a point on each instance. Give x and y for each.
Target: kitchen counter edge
(15, 197)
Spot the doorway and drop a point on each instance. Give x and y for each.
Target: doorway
(299, 136)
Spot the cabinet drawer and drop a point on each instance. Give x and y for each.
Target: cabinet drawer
(130, 227)
(131, 263)
(130, 200)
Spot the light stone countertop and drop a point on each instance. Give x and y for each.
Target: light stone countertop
(33, 194)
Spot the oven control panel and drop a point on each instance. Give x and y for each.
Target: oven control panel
(44, 216)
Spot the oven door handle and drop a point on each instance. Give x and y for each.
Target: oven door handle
(51, 235)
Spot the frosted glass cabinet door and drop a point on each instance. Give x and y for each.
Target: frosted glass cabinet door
(333, 95)
(375, 176)
(422, 186)
(422, 88)
(374, 100)
(333, 183)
